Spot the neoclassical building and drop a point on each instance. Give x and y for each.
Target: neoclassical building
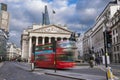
(41, 34)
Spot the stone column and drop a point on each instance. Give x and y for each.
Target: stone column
(49, 40)
(43, 40)
(30, 48)
(55, 39)
(36, 40)
(62, 39)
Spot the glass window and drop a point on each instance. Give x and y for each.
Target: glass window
(117, 38)
(113, 32)
(67, 44)
(43, 47)
(114, 49)
(116, 30)
(114, 40)
(65, 57)
(42, 58)
(117, 48)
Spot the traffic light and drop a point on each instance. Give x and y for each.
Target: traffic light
(109, 38)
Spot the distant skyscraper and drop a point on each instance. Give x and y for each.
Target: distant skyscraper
(3, 6)
(45, 17)
(4, 17)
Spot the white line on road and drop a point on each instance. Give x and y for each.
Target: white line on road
(39, 73)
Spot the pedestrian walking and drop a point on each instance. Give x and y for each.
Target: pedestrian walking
(91, 62)
(96, 61)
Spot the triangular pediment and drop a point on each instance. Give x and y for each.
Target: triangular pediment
(52, 29)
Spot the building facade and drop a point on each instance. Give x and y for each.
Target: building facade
(87, 46)
(3, 41)
(103, 22)
(4, 17)
(79, 45)
(41, 34)
(115, 28)
(13, 52)
(4, 20)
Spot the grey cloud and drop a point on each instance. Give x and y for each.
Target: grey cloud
(97, 5)
(25, 16)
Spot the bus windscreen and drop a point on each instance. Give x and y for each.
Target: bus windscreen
(68, 44)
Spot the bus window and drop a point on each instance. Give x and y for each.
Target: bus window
(65, 57)
(69, 44)
(42, 58)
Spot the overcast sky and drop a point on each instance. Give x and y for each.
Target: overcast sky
(78, 15)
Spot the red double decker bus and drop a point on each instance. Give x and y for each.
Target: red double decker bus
(63, 58)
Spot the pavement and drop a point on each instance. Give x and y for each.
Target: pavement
(78, 76)
(1, 64)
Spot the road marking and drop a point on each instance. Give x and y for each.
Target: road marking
(39, 73)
